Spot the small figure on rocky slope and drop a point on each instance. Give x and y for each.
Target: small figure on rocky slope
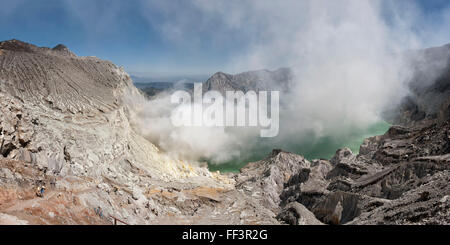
(99, 211)
(40, 191)
(53, 182)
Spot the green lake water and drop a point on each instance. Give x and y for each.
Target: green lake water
(324, 147)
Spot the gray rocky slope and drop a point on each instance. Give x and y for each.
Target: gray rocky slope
(66, 118)
(67, 122)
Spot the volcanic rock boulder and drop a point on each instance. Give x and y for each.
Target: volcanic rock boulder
(346, 164)
(337, 208)
(428, 203)
(265, 179)
(296, 214)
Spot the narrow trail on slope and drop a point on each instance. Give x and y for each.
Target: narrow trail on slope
(30, 202)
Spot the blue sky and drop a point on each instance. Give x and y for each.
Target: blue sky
(161, 38)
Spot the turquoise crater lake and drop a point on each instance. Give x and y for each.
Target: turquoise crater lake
(324, 147)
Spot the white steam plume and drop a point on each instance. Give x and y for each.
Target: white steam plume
(345, 55)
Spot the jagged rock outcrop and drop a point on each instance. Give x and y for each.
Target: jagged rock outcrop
(296, 214)
(427, 204)
(63, 50)
(265, 179)
(346, 164)
(273, 180)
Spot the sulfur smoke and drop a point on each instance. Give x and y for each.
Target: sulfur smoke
(346, 57)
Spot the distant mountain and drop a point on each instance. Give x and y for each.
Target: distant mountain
(252, 80)
(138, 79)
(152, 89)
(279, 80)
(152, 86)
(157, 85)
